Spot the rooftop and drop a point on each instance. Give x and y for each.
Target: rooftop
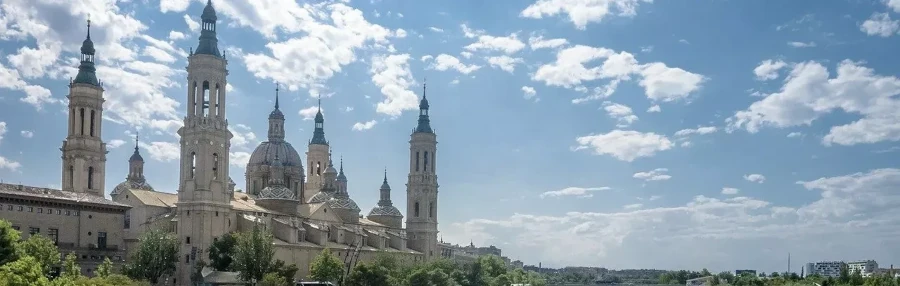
(56, 195)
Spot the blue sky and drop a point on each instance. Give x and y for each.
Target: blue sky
(615, 133)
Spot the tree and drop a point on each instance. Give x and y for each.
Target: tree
(726, 277)
(773, 274)
(43, 250)
(70, 268)
(105, 268)
(9, 237)
(221, 252)
(856, 278)
(273, 279)
(26, 271)
(368, 275)
(253, 254)
(155, 256)
(197, 273)
(435, 277)
(288, 271)
(844, 277)
(326, 267)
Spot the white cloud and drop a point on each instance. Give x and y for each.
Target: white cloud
(794, 134)
(654, 108)
(465, 54)
(238, 159)
(115, 143)
(756, 178)
(3, 130)
(174, 5)
(392, 75)
(243, 136)
(539, 42)
(893, 5)
(508, 44)
(582, 12)
(529, 92)
(625, 145)
(632, 206)
(573, 191)
(880, 24)
(660, 82)
(768, 69)
(192, 24)
(505, 63)
(730, 191)
(658, 174)
(699, 131)
(622, 113)
(426, 58)
(683, 41)
(162, 151)
(810, 92)
(802, 44)
(653, 198)
(309, 113)
(26, 133)
(647, 49)
(158, 54)
(360, 126)
(436, 29)
(444, 62)
(175, 36)
(6, 163)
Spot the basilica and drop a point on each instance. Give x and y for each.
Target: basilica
(307, 207)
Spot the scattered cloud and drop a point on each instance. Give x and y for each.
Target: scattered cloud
(802, 44)
(238, 159)
(507, 44)
(654, 108)
(445, 62)
(632, 206)
(360, 126)
(880, 24)
(26, 133)
(582, 12)
(622, 113)
(538, 42)
(794, 135)
(175, 35)
(730, 191)
(529, 92)
(309, 113)
(115, 143)
(624, 145)
(162, 151)
(768, 69)
(505, 63)
(658, 174)
(756, 178)
(436, 29)
(574, 191)
(392, 75)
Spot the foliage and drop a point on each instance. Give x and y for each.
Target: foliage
(26, 271)
(273, 279)
(221, 252)
(104, 269)
(42, 249)
(70, 268)
(197, 273)
(9, 237)
(287, 271)
(155, 256)
(253, 254)
(368, 275)
(434, 277)
(326, 267)
(111, 280)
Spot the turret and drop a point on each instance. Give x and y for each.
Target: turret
(385, 212)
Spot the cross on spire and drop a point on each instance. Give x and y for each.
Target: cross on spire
(137, 138)
(320, 102)
(424, 85)
(89, 25)
(276, 95)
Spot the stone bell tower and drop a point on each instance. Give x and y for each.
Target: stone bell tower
(204, 196)
(422, 187)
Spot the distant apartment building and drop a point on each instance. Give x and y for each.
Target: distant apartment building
(864, 267)
(742, 272)
(825, 268)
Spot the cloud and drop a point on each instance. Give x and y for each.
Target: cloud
(192, 24)
(3, 130)
(360, 126)
(809, 92)
(392, 75)
(243, 136)
(880, 24)
(173, 5)
(505, 63)
(660, 82)
(573, 191)
(529, 92)
(582, 12)
(794, 134)
(730, 191)
(699, 131)
(802, 44)
(238, 159)
(653, 198)
(508, 44)
(632, 206)
(756, 178)
(539, 42)
(175, 36)
(445, 62)
(768, 69)
(115, 143)
(158, 54)
(26, 133)
(624, 145)
(658, 174)
(162, 151)
(654, 108)
(436, 29)
(622, 113)
(309, 113)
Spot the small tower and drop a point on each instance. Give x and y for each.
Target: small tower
(257, 173)
(385, 213)
(317, 156)
(329, 184)
(341, 202)
(204, 194)
(135, 179)
(422, 186)
(83, 151)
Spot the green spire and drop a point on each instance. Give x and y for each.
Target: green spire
(424, 122)
(87, 73)
(209, 44)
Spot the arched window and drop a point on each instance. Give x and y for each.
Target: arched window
(90, 180)
(417, 161)
(432, 161)
(426, 162)
(71, 176)
(193, 163)
(82, 120)
(72, 121)
(92, 123)
(193, 104)
(416, 209)
(218, 96)
(431, 209)
(318, 168)
(254, 190)
(215, 166)
(205, 103)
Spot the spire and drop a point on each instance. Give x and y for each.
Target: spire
(209, 44)
(87, 71)
(276, 121)
(385, 185)
(319, 131)
(341, 177)
(424, 125)
(276, 95)
(136, 157)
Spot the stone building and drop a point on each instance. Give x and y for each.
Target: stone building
(307, 210)
(77, 218)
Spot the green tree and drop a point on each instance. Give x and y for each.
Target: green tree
(197, 273)
(70, 267)
(288, 271)
(774, 274)
(9, 237)
(368, 275)
(273, 279)
(105, 269)
(221, 252)
(434, 277)
(253, 254)
(726, 277)
(326, 267)
(155, 256)
(42, 249)
(856, 278)
(26, 271)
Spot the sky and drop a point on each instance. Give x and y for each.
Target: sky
(615, 133)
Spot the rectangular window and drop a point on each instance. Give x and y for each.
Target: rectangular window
(101, 240)
(9, 207)
(40, 210)
(31, 209)
(127, 220)
(68, 212)
(417, 161)
(187, 259)
(53, 234)
(187, 240)
(34, 230)
(58, 211)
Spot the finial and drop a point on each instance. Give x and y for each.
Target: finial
(385, 174)
(342, 163)
(276, 95)
(320, 102)
(424, 84)
(137, 138)
(89, 26)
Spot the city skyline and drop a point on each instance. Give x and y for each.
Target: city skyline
(625, 133)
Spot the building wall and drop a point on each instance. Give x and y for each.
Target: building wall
(302, 256)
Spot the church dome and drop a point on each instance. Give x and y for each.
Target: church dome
(266, 152)
(345, 203)
(87, 47)
(276, 192)
(209, 13)
(131, 185)
(385, 211)
(319, 197)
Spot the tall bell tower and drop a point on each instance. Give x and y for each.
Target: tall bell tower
(83, 151)
(318, 157)
(204, 198)
(422, 187)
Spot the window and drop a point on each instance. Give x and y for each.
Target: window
(53, 234)
(431, 209)
(318, 168)
(31, 209)
(68, 212)
(215, 166)
(20, 208)
(49, 211)
(417, 209)
(127, 220)
(82, 120)
(58, 211)
(40, 210)
(101, 240)
(90, 179)
(187, 258)
(425, 167)
(205, 104)
(187, 240)
(92, 123)
(193, 163)
(34, 230)
(71, 176)
(417, 161)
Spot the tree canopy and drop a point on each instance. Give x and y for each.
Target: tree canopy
(326, 267)
(156, 255)
(253, 254)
